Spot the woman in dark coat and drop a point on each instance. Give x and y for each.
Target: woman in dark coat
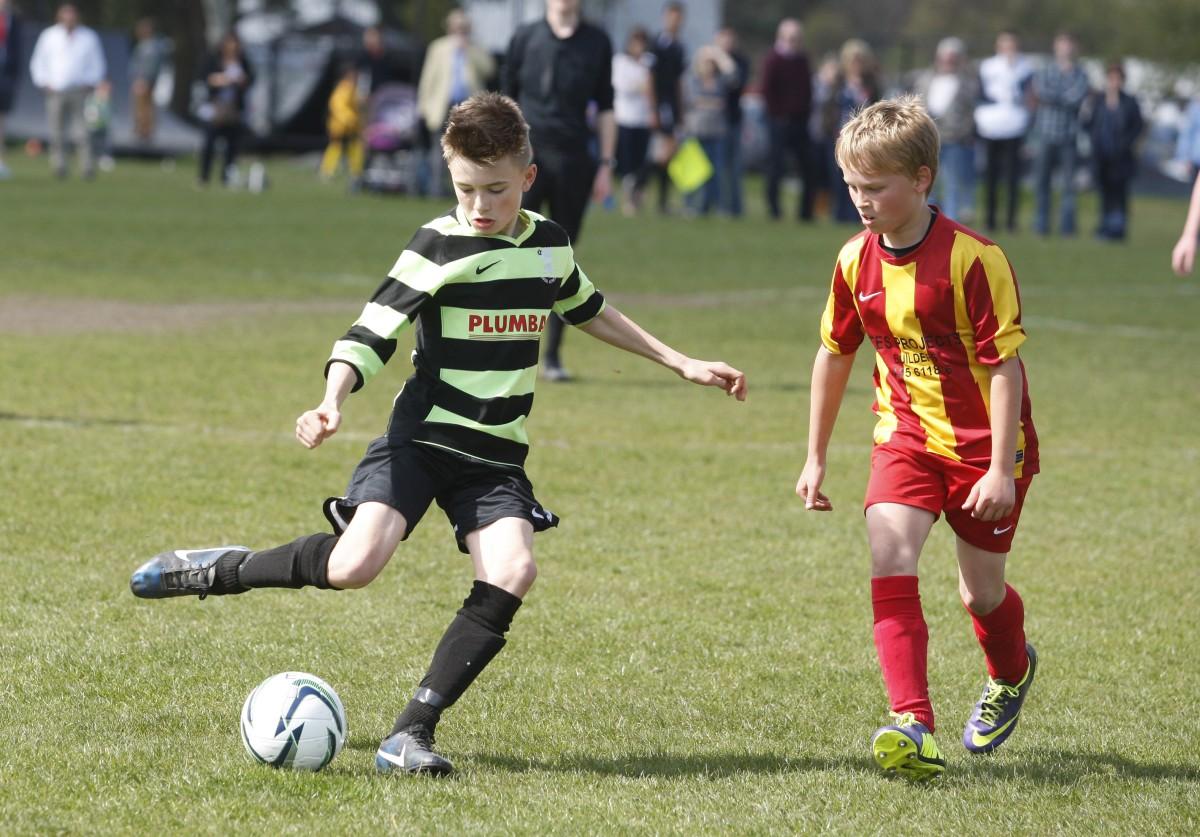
(229, 77)
(1114, 126)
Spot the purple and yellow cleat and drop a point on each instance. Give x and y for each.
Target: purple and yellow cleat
(998, 710)
(906, 747)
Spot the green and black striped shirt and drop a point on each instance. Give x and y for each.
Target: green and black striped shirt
(479, 303)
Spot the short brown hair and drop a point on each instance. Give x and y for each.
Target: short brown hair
(485, 129)
(895, 136)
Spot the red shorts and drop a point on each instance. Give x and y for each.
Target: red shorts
(940, 485)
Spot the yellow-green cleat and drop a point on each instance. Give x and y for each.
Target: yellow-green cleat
(906, 747)
(996, 715)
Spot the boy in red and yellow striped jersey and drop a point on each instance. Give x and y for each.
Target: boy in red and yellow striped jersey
(940, 305)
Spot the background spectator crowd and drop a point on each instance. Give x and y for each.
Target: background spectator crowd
(625, 113)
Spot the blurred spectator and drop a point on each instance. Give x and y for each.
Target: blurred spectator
(67, 63)
(822, 132)
(950, 90)
(1187, 147)
(376, 66)
(633, 101)
(228, 75)
(1183, 256)
(706, 91)
(1002, 119)
(345, 127)
(668, 68)
(555, 67)
(1059, 88)
(97, 115)
(145, 64)
(857, 85)
(786, 83)
(10, 55)
(729, 167)
(1114, 124)
(455, 69)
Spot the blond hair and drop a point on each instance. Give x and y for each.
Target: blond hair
(894, 136)
(487, 128)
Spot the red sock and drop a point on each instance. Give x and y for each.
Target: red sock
(1001, 634)
(902, 642)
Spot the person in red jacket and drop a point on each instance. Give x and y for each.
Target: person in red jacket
(786, 82)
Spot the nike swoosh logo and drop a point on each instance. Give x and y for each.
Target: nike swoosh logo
(398, 761)
(1002, 531)
(983, 740)
(480, 270)
(864, 298)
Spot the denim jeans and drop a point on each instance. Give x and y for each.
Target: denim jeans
(1112, 180)
(1049, 158)
(708, 196)
(730, 170)
(954, 189)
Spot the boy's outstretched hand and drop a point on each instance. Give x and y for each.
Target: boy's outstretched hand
(316, 425)
(711, 373)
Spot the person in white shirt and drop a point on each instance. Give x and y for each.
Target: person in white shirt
(1002, 119)
(67, 63)
(950, 91)
(633, 101)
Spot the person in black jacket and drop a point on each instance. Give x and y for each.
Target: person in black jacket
(229, 76)
(10, 30)
(1114, 126)
(555, 67)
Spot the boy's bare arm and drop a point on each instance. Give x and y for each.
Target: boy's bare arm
(1183, 257)
(616, 329)
(829, 376)
(995, 494)
(316, 425)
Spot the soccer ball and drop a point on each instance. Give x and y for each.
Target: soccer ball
(293, 720)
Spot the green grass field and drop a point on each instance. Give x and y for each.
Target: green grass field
(696, 656)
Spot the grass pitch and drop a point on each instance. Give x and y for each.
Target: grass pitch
(696, 655)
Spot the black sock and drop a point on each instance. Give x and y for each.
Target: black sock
(225, 574)
(474, 637)
(304, 561)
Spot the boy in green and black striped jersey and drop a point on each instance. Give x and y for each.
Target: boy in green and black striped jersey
(478, 285)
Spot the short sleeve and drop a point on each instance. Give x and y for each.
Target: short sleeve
(578, 301)
(841, 328)
(993, 306)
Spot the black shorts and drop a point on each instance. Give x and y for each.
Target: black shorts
(408, 476)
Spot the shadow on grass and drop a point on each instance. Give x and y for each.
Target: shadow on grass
(1046, 767)
(652, 764)
(69, 421)
(662, 765)
(1067, 768)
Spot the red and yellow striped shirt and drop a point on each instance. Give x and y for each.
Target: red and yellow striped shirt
(938, 317)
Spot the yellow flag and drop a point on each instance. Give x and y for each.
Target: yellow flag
(690, 168)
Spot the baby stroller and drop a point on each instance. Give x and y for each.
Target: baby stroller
(391, 137)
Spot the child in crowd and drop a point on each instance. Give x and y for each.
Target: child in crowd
(345, 127)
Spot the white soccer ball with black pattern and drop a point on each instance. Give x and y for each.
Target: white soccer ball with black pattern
(293, 720)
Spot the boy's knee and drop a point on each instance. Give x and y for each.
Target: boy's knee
(981, 602)
(351, 569)
(893, 560)
(514, 572)
(521, 568)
